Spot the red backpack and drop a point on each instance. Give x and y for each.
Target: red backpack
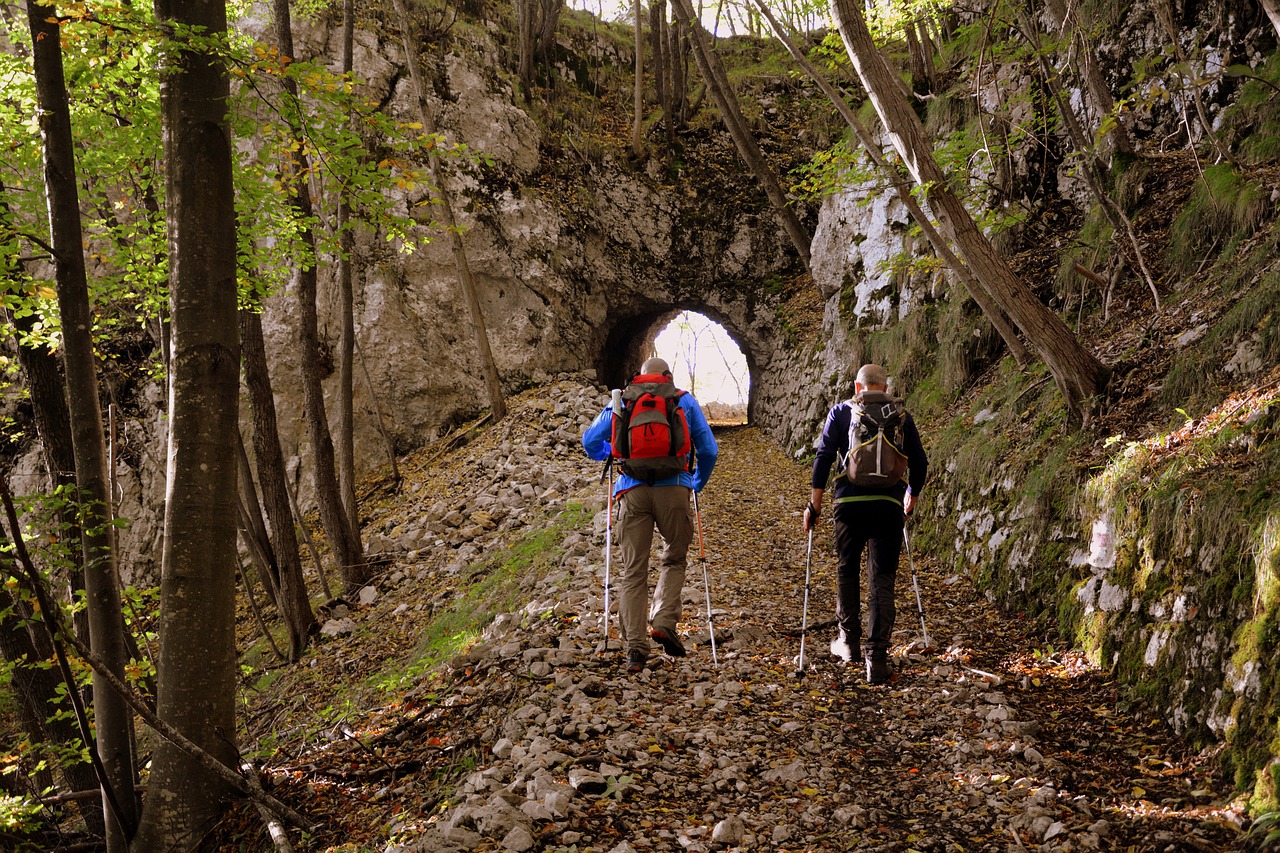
(651, 435)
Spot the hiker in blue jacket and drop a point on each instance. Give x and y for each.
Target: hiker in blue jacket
(866, 516)
(641, 505)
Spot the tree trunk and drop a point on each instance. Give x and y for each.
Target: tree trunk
(676, 64)
(915, 58)
(294, 603)
(466, 282)
(940, 246)
(196, 670)
(48, 393)
(1191, 87)
(637, 98)
(718, 82)
(346, 312)
(344, 538)
(547, 26)
(1094, 171)
(106, 620)
(1272, 8)
(526, 15)
(1069, 26)
(253, 524)
(1079, 376)
(662, 77)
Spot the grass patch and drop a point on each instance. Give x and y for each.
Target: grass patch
(493, 585)
(1225, 208)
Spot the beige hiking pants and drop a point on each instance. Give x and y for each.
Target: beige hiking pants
(643, 507)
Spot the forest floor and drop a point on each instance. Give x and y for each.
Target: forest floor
(990, 737)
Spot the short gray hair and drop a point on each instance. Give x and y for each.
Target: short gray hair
(873, 376)
(655, 365)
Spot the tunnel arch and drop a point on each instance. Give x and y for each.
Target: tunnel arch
(629, 338)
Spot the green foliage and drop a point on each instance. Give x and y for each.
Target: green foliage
(19, 815)
(834, 169)
(1224, 209)
(111, 59)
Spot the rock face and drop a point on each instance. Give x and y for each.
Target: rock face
(578, 273)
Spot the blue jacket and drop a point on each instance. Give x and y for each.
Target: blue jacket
(596, 441)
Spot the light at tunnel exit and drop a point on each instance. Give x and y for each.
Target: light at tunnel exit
(705, 360)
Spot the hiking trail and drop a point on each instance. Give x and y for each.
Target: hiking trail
(995, 738)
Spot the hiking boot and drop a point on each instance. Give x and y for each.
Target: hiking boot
(667, 638)
(846, 651)
(636, 661)
(877, 667)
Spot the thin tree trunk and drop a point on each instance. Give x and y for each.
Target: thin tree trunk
(658, 47)
(915, 59)
(346, 313)
(293, 601)
(1164, 11)
(637, 99)
(526, 13)
(466, 282)
(377, 411)
(1069, 26)
(548, 23)
(252, 521)
(717, 81)
(344, 538)
(196, 671)
(49, 613)
(1094, 171)
(310, 543)
(114, 723)
(48, 394)
(676, 64)
(1272, 8)
(927, 49)
(1079, 375)
(975, 287)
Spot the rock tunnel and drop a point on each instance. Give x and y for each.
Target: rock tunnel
(630, 338)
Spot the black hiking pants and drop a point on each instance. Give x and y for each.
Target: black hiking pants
(877, 526)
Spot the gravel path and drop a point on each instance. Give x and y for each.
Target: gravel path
(989, 738)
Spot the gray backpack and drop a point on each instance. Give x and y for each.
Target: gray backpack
(875, 457)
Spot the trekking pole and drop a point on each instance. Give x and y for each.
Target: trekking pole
(608, 545)
(916, 584)
(706, 584)
(801, 663)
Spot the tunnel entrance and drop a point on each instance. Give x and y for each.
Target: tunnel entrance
(706, 357)
(707, 362)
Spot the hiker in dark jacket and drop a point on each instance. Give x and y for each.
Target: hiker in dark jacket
(641, 506)
(866, 516)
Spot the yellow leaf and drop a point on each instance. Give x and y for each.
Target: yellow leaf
(1139, 792)
(809, 792)
(655, 748)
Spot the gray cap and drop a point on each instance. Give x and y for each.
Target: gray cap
(655, 365)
